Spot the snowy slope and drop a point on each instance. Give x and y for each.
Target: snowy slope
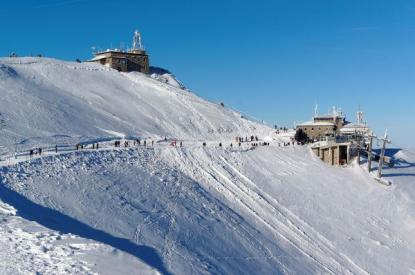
(182, 210)
(268, 210)
(46, 101)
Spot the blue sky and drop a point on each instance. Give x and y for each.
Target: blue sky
(271, 59)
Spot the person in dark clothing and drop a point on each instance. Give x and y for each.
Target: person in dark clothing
(239, 144)
(181, 144)
(31, 152)
(220, 144)
(40, 151)
(231, 145)
(204, 144)
(145, 142)
(56, 149)
(97, 146)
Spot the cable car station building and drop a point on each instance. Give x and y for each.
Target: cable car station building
(323, 125)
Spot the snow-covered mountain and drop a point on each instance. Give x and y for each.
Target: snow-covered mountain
(179, 210)
(46, 100)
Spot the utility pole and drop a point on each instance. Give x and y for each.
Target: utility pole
(382, 153)
(359, 145)
(369, 153)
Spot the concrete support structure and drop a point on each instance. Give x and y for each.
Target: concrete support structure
(336, 153)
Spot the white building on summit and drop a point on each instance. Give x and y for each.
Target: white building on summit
(358, 128)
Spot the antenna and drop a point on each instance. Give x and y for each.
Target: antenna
(137, 41)
(360, 117)
(316, 110)
(334, 112)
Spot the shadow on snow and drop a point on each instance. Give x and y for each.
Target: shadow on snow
(58, 221)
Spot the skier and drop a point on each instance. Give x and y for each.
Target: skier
(220, 144)
(56, 149)
(40, 151)
(97, 147)
(204, 144)
(181, 144)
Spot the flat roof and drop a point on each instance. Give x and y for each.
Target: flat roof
(312, 123)
(135, 52)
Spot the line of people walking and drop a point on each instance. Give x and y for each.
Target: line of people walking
(254, 142)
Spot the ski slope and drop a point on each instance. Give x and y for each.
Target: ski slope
(180, 210)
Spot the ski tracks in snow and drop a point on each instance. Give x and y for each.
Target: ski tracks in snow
(241, 191)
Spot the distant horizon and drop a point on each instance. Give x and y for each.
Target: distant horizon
(271, 60)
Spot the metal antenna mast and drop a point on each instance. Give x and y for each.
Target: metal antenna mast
(137, 42)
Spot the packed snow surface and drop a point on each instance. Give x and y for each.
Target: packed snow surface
(187, 209)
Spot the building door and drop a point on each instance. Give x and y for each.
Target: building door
(342, 155)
